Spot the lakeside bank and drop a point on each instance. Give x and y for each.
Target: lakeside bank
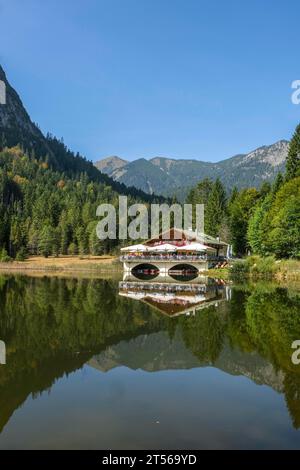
(256, 267)
(68, 263)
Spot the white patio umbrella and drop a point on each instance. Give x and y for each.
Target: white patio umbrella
(139, 248)
(164, 247)
(195, 247)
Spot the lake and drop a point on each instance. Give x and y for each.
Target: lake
(147, 364)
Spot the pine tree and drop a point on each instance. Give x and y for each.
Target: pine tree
(240, 212)
(215, 209)
(257, 232)
(200, 193)
(265, 189)
(47, 241)
(82, 240)
(234, 193)
(95, 245)
(293, 158)
(277, 183)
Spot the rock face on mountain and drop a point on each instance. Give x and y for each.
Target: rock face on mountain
(110, 164)
(16, 128)
(168, 176)
(16, 125)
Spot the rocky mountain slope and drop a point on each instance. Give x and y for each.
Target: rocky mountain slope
(110, 164)
(17, 128)
(169, 176)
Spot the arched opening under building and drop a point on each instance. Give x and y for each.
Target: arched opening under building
(183, 272)
(145, 271)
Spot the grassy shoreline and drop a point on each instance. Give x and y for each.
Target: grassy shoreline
(256, 267)
(88, 264)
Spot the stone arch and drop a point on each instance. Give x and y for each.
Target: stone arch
(145, 271)
(183, 267)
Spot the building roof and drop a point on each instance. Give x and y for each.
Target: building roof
(188, 235)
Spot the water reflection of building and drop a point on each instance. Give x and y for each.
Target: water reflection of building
(175, 251)
(172, 297)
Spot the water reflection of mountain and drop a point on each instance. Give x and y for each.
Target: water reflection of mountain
(54, 326)
(157, 352)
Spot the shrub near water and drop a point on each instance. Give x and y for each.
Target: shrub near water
(257, 266)
(265, 266)
(254, 265)
(4, 258)
(22, 254)
(240, 268)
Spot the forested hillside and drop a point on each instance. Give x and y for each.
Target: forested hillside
(48, 194)
(264, 221)
(43, 211)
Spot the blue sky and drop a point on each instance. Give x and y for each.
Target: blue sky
(141, 78)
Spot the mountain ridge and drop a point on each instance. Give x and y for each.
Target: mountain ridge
(178, 175)
(17, 128)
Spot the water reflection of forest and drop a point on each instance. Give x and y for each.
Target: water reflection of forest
(53, 326)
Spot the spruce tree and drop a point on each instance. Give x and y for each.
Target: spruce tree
(215, 209)
(293, 158)
(277, 183)
(240, 212)
(47, 241)
(199, 194)
(258, 227)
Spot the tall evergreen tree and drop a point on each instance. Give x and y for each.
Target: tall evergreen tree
(277, 183)
(201, 192)
(293, 159)
(240, 212)
(215, 209)
(47, 241)
(258, 226)
(200, 195)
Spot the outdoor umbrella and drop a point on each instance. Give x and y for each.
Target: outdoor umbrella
(164, 247)
(137, 248)
(195, 247)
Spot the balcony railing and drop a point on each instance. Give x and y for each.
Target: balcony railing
(165, 258)
(134, 286)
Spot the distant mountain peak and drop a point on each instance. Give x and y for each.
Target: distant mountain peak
(13, 115)
(109, 164)
(2, 74)
(168, 176)
(273, 155)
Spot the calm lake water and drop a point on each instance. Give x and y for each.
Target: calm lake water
(98, 364)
